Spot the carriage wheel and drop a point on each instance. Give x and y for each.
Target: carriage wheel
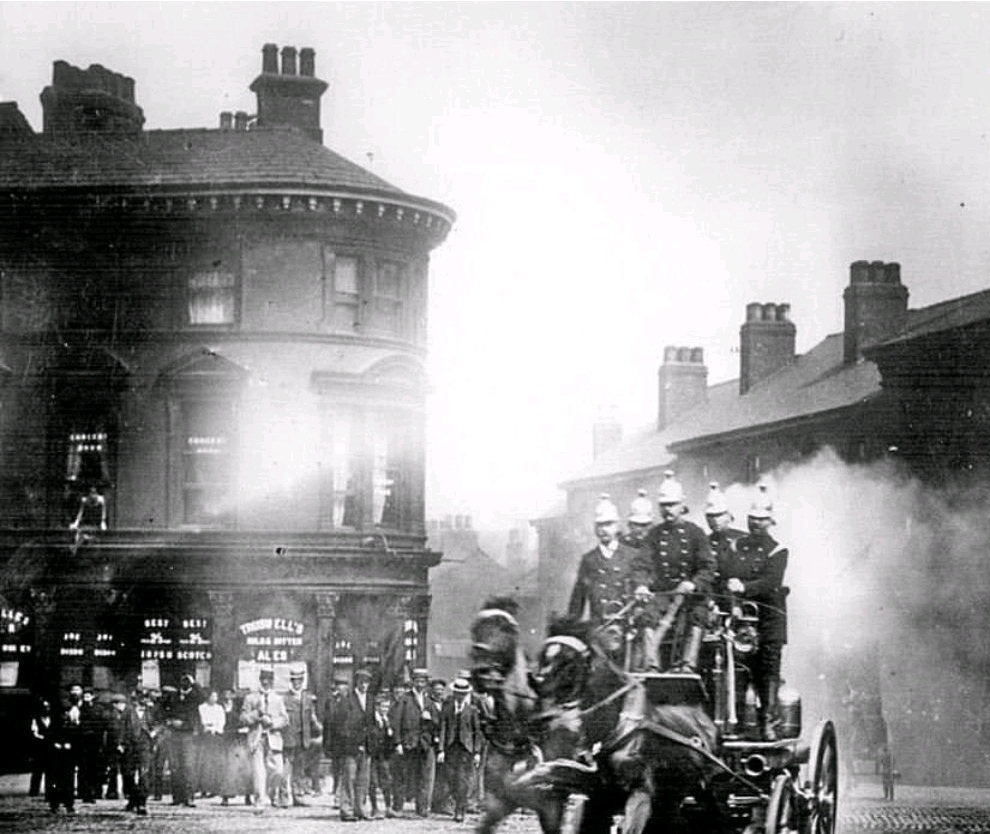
(782, 812)
(824, 787)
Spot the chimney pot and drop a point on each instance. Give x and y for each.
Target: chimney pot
(683, 354)
(859, 272)
(769, 312)
(877, 272)
(698, 355)
(893, 273)
(269, 58)
(226, 120)
(783, 312)
(288, 60)
(754, 312)
(307, 61)
(240, 120)
(669, 354)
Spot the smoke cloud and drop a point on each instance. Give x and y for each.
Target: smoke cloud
(890, 591)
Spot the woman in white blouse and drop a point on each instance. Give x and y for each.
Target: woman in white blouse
(212, 718)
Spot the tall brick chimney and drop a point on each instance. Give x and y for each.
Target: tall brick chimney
(606, 432)
(683, 383)
(766, 342)
(288, 97)
(876, 306)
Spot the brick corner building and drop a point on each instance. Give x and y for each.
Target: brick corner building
(222, 333)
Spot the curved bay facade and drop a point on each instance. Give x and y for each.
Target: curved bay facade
(213, 339)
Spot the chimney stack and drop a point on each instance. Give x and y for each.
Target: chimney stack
(240, 120)
(226, 120)
(683, 383)
(875, 306)
(606, 433)
(288, 99)
(94, 100)
(766, 342)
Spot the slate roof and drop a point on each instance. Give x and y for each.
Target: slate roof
(814, 382)
(197, 157)
(946, 315)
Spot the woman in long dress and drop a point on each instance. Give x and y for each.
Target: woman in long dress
(237, 763)
(212, 719)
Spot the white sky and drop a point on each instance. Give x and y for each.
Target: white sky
(626, 176)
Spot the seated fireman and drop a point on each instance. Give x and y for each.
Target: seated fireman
(608, 573)
(683, 569)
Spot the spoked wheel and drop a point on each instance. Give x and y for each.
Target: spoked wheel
(823, 797)
(782, 812)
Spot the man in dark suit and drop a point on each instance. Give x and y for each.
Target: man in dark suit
(332, 739)
(352, 722)
(92, 728)
(460, 743)
(60, 777)
(139, 731)
(382, 741)
(419, 729)
(181, 712)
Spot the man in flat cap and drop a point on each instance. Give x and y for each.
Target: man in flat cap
(419, 724)
(353, 724)
(181, 713)
(332, 737)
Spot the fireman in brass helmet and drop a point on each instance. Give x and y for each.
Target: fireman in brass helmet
(607, 574)
(754, 571)
(723, 535)
(640, 520)
(683, 569)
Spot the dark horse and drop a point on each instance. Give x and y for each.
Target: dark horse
(649, 757)
(519, 735)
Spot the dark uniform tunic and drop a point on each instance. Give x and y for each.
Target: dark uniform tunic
(605, 583)
(680, 551)
(759, 562)
(723, 545)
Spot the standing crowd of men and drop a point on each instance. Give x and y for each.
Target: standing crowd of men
(676, 574)
(419, 744)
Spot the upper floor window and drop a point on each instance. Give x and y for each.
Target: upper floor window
(206, 462)
(340, 471)
(388, 298)
(345, 296)
(87, 458)
(211, 296)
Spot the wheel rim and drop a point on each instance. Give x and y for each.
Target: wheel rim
(782, 816)
(824, 780)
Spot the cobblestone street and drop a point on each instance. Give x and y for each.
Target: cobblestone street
(936, 810)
